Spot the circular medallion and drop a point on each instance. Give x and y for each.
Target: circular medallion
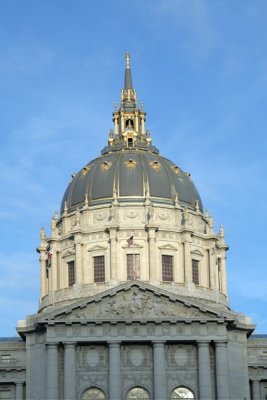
(92, 358)
(137, 357)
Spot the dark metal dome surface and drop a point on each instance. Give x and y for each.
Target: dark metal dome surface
(130, 175)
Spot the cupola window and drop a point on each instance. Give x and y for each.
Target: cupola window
(167, 268)
(130, 142)
(195, 272)
(133, 266)
(71, 273)
(99, 269)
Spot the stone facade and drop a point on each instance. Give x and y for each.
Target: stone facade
(133, 301)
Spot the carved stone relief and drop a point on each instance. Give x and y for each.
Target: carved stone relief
(135, 303)
(136, 357)
(182, 356)
(94, 357)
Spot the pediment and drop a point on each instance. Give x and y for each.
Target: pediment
(168, 247)
(96, 247)
(135, 301)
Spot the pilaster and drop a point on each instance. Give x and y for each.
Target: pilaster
(114, 371)
(204, 371)
(52, 371)
(222, 375)
(70, 371)
(160, 390)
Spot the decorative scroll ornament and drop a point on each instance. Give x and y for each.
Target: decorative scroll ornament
(163, 215)
(155, 165)
(106, 166)
(100, 216)
(131, 214)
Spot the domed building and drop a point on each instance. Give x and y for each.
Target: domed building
(133, 288)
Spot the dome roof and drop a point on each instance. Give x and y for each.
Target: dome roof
(130, 168)
(130, 176)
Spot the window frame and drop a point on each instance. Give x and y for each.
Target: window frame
(100, 279)
(165, 275)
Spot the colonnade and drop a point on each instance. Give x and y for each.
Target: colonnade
(159, 371)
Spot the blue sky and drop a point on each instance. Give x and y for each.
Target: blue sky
(200, 66)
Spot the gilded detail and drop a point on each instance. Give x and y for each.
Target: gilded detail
(176, 169)
(155, 165)
(131, 164)
(106, 166)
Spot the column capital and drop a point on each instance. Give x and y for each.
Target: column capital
(69, 344)
(203, 343)
(115, 343)
(221, 343)
(158, 343)
(52, 345)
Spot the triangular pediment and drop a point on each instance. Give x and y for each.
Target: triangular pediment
(135, 301)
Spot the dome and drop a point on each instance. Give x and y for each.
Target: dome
(130, 175)
(130, 168)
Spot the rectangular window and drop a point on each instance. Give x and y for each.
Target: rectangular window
(99, 269)
(133, 266)
(195, 272)
(5, 395)
(71, 272)
(167, 268)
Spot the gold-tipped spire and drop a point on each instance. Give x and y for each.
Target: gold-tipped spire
(128, 57)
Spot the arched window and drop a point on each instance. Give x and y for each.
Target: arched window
(182, 393)
(93, 394)
(138, 393)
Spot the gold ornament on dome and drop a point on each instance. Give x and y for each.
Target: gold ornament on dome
(155, 165)
(86, 170)
(131, 164)
(106, 166)
(176, 169)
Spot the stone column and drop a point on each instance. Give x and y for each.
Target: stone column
(69, 371)
(223, 275)
(52, 371)
(256, 390)
(204, 371)
(187, 260)
(222, 376)
(19, 390)
(160, 390)
(54, 268)
(78, 262)
(114, 371)
(43, 279)
(153, 275)
(113, 254)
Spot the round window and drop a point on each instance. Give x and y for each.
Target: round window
(93, 394)
(138, 393)
(182, 393)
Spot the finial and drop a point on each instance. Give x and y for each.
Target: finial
(221, 232)
(86, 200)
(197, 206)
(65, 207)
(127, 56)
(42, 234)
